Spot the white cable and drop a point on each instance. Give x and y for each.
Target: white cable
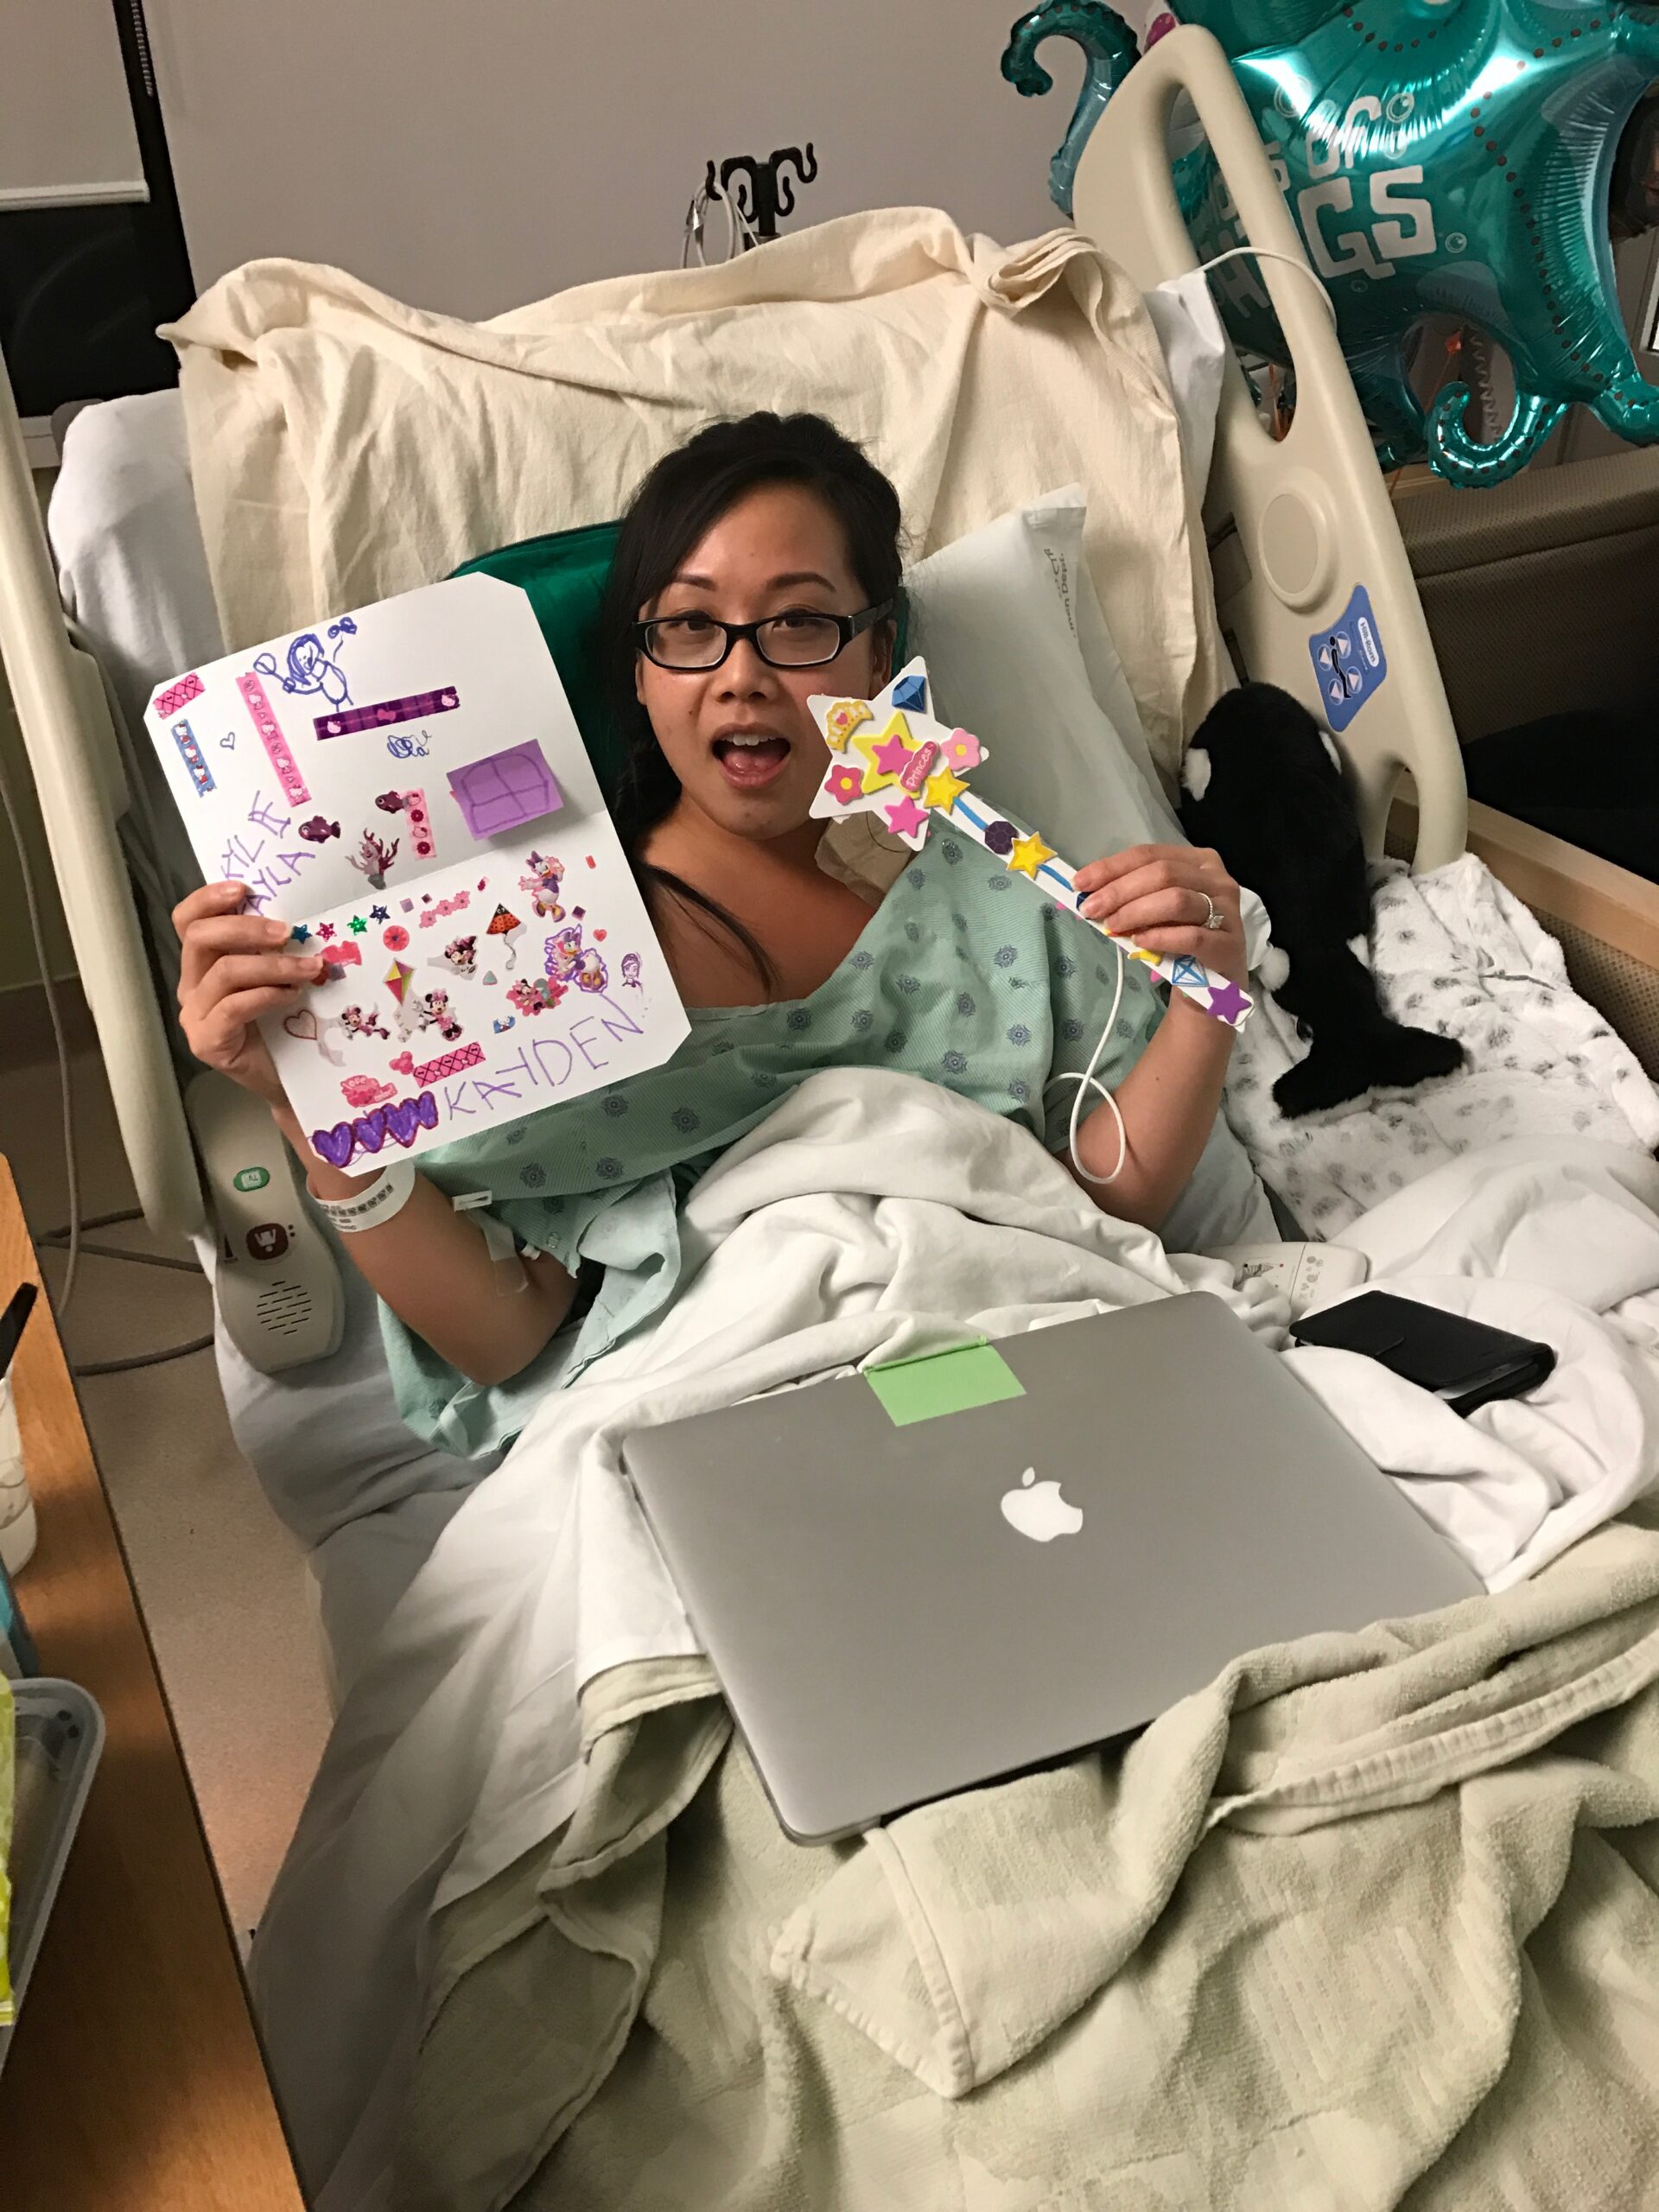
(1271, 253)
(71, 1168)
(1086, 1082)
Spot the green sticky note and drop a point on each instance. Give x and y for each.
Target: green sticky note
(943, 1382)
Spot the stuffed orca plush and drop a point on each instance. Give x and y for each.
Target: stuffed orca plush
(1262, 784)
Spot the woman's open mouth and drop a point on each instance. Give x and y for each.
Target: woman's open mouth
(750, 759)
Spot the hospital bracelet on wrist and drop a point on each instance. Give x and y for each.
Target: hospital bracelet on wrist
(378, 1204)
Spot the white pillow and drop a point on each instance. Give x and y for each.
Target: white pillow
(1019, 650)
(998, 615)
(995, 614)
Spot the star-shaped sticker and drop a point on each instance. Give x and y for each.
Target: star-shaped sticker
(299, 933)
(905, 817)
(358, 925)
(943, 789)
(378, 913)
(325, 929)
(888, 753)
(1228, 1002)
(1028, 855)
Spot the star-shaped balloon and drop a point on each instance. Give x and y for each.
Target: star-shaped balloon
(904, 766)
(1447, 157)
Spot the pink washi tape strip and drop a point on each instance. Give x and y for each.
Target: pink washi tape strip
(420, 825)
(270, 736)
(178, 695)
(450, 1064)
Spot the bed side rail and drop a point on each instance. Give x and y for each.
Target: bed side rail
(1295, 526)
(73, 754)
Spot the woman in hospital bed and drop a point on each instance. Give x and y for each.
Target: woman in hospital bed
(758, 565)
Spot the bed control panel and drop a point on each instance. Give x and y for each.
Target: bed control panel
(276, 1280)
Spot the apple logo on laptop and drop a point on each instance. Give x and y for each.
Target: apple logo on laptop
(1038, 1511)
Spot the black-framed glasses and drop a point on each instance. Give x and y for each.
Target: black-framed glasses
(801, 637)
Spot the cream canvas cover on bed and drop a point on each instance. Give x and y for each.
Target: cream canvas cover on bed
(344, 447)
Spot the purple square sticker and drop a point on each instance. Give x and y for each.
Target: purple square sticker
(503, 790)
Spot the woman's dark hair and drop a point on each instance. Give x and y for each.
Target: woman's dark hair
(678, 503)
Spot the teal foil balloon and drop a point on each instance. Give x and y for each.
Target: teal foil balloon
(1448, 159)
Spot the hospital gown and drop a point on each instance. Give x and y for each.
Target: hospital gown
(965, 974)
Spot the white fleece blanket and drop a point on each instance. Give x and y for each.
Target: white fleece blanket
(1455, 951)
(873, 1215)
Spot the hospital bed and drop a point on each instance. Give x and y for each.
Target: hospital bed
(1292, 528)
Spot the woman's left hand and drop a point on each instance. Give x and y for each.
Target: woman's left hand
(1160, 896)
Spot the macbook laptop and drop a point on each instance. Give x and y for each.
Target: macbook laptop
(932, 1576)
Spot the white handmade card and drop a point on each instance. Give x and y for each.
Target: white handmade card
(407, 788)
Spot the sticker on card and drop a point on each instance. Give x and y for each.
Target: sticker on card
(375, 746)
(495, 1006)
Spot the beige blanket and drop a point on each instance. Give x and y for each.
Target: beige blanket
(344, 447)
(1372, 1921)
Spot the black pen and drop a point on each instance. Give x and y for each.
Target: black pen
(11, 1324)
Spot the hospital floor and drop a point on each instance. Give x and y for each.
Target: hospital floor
(222, 1586)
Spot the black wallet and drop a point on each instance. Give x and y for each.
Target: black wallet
(1464, 1362)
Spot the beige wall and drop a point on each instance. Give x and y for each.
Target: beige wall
(470, 155)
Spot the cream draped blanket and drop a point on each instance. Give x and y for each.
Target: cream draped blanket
(344, 447)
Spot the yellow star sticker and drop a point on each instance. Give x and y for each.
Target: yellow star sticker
(886, 751)
(1029, 853)
(943, 789)
(842, 718)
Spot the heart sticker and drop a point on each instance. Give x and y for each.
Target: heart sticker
(404, 1064)
(303, 1025)
(599, 935)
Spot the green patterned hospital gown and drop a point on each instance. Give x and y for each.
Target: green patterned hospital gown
(964, 973)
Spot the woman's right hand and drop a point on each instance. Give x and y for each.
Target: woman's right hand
(233, 971)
